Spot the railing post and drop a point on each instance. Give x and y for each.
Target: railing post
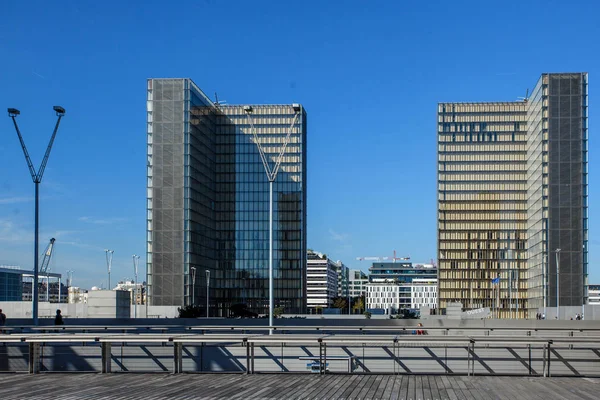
(549, 349)
(177, 358)
(320, 356)
(544, 361)
(472, 357)
(252, 356)
(469, 359)
(529, 358)
(245, 343)
(106, 357)
(34, 358)
(324, 358)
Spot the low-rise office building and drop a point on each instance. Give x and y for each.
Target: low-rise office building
(394, 286)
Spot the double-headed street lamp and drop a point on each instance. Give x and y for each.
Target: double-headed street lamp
(271, 176)
(37, 179)
(109, 257)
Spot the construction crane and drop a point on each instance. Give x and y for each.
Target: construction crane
(394, 258)
(47, 255)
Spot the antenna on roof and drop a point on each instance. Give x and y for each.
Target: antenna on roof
(526, 98)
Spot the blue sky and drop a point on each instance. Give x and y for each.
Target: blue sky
(369, 74)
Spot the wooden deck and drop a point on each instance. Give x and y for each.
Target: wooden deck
(291, 386)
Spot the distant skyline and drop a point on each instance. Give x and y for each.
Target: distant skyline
(369, 75)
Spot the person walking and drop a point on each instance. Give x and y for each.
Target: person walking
(2, 318)
(58, 320)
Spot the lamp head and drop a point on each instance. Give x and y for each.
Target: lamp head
(296, 107)
(248, 109)
(59, 110)
(13, 112)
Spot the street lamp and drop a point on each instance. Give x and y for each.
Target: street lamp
(271, 176)
(557, 282)
(207, 286)
(193, 269)
(109, 257)
(136, 260)
(37, 179)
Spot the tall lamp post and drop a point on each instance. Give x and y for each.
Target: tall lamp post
(556, 252)
(193, 269)
(136, 261)
(37, 179)
(207, 287)
(271, 176)
(109, 257)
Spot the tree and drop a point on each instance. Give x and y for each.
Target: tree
(191, 312)
(340, 302)
(367, 315)
(278, 312)
(359, 304)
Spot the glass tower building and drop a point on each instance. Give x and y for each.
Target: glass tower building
(208, 201)
(512, 188)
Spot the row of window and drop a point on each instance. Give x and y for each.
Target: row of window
(445, 118)
(497, 176)
(488, 157)
(504, 206)
(482, 107)
(516, 167)
(482, 196)
(483, 186)
(484, 235)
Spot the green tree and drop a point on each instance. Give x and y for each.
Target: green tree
(278, 312)
(191, 312)
(340, 302)
(367, 315)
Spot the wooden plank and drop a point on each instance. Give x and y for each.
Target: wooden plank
(397, 387)
(305, 386)
(342, 386)
(387, 393)
(382, 386)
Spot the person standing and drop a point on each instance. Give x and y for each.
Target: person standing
(58, 320)
(2, 318)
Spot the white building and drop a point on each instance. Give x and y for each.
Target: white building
(383, 296)
(423, 293)
(594, 295)
(130, 286)
(321, 281)
(76, 295)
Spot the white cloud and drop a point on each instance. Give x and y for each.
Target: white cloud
(338, 237)
(100, 221)
(15, 199)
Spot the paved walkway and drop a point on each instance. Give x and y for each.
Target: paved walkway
(291, 386)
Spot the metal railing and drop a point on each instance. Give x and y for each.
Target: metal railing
(259, 353)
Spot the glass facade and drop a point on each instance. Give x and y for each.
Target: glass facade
(11, 286)
(218, 204)
(557, 189)
(512, 188)
(482, 205)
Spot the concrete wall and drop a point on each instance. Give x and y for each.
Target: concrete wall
(23, 309)
(109, 304)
